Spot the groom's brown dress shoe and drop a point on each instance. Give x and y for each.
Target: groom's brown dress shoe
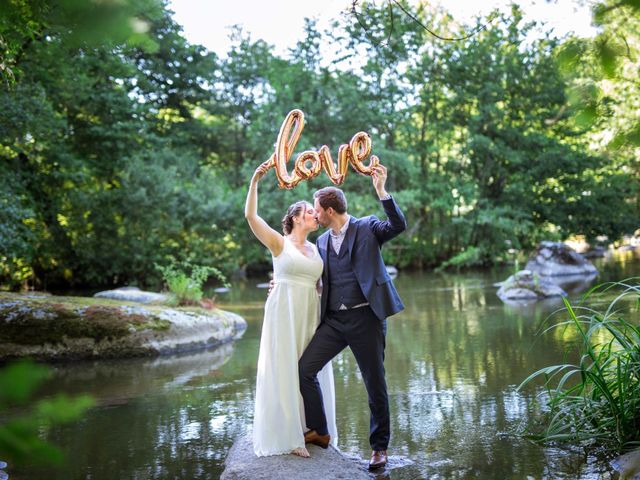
(378, 459)
(320, 440)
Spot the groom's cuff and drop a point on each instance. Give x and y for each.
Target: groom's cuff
(386, 197)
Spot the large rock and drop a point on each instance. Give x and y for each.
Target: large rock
(242, 464)
(63, 328)
(628, 465)
(553, 259)
(132, 294)
(527, 285)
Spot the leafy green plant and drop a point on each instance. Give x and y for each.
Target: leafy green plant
(185, 281)
(21, 436)
(470, 257)
(597, 399)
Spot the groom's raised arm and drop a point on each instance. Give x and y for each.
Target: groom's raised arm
(385, 230)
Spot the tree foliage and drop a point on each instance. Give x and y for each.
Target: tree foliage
(122, 145)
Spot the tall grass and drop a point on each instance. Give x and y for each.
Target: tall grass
(597, 398)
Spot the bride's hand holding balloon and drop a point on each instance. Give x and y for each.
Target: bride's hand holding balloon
(260, 172)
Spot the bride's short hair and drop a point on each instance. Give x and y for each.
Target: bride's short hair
(292, 212)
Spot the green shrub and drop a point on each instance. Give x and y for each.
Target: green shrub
(185, 281)
(471, 257)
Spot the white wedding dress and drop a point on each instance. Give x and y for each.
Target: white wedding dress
(291, 316)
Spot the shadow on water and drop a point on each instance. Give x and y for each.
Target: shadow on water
(454, 359)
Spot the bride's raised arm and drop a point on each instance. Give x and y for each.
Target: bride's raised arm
(263, 232)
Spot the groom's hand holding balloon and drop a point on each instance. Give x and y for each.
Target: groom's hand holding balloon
(379, 178)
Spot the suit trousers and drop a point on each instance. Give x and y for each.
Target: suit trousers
(364, 333)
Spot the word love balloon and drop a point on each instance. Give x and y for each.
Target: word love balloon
(309, 163)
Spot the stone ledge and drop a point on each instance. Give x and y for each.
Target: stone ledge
(65, 328)
(242, 464)
(132, 294)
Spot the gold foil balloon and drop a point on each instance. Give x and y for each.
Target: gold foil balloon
(336, 177)
(353, 153)
(285, 145)
(301, 168)
(360, 146)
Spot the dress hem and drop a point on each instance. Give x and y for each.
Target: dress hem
(277, 452)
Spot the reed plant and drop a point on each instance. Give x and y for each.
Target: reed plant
(597, 399)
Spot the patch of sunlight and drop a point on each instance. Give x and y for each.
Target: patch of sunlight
(228, 241)
(62, 220)
(217, 423)
(7, 152)
(170, 115)
(190, 431)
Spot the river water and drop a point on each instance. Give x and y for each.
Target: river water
(454, 359)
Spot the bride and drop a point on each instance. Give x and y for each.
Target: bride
(291, 316)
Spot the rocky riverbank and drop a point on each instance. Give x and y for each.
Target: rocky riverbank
(52, 328)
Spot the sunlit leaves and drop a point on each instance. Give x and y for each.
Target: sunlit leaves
(21, 437)
(613, 63)
(584, 98)
(76, 23)
(18, 382)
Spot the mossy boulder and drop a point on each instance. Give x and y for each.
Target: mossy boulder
(555, 259)
(526, 285)
(49, 327)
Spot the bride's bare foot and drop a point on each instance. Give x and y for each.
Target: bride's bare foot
(301, 452)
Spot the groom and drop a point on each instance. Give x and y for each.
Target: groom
(357, 297)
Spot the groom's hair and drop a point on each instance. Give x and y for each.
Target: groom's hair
(332, 197)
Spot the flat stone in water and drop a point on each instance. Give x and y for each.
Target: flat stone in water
(526, 285)
(132, 294)
(325, 464)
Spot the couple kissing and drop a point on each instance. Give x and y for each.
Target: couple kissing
(326, 297)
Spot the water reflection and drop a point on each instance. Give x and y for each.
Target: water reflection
(574, 284)
(454, 359)
(116, 382)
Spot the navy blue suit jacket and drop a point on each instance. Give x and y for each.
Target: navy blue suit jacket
(365, 237)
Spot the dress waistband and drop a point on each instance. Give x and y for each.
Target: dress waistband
(303, 282)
